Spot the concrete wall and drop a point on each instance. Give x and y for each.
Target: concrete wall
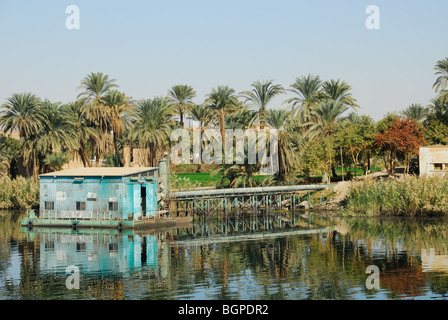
(433, 160)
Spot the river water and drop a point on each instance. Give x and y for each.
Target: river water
(300, 257)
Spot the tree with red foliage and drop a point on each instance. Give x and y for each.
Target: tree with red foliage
(404, 137)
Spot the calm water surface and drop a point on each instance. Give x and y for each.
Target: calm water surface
(228, 259)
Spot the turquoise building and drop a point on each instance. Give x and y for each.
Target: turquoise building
(99, 193)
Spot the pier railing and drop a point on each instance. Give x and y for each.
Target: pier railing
(79, 215)
(95, 215)
(249, 200)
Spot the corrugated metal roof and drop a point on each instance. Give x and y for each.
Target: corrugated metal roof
(99, 171)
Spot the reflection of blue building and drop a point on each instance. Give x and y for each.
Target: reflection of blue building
(96, 252)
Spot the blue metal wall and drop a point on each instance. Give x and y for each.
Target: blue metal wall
(66, 191)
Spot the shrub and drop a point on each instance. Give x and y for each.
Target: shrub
(19, 193)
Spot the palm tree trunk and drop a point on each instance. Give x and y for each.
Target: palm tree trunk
(115, 138)
(84, 155)
(181, 114)
(200, 150)
(223, 131)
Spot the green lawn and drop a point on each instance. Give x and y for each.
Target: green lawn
(200, 179)
(188, 180)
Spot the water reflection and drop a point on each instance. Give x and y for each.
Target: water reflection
(96, 252)
(306, 257)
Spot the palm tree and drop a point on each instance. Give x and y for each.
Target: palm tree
(95, 87)
(200, 113)
(290, 142)
(327, 113)
(441, 82)
(221, 101)
(85, 132)
(240, 118)
(307, 95)
(438, 109)
(152, 126)
(338, 91)
(117, 105)
(55, 161)
(23, 112)
(58, 132)
(353, 117)
(181, 96)
(415, 112)
(261, 94)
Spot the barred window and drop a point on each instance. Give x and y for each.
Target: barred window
(49, 205)
(113, 206)
(80, 205)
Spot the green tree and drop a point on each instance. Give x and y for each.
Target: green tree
(441, 83)
(356, 139)
(339, 90)
(23, 112)
(201, 114)
(317, 157)
(438, 110)
(117, 106)
(10, 149)
(55, 161)
(95, 87)
(181, 96)
(260, 96)
(86, 133)
(290, 143)
(306, 90)
(415, 112)
(58, 132)
(436, 132)
(152, 126)
(221, 101)
(327, 113)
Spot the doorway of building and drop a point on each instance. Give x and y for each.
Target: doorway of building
(143, 202)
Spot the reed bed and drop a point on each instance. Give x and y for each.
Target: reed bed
(19, 193)
(408, 196)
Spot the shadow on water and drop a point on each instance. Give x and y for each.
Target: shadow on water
(282, 256)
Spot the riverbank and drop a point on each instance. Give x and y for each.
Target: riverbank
(400, 195)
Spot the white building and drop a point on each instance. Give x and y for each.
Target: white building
(433, 160)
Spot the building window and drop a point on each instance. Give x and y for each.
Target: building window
(438, 166)
(80, 205)
(113, 206)
(49, 205)
(49, 246)
(81, 246)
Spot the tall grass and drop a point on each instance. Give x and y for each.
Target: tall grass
(410, 196)
(19, 193)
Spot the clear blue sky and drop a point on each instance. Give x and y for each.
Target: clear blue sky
(149, 46)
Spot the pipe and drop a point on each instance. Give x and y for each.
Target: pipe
(245, 191)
